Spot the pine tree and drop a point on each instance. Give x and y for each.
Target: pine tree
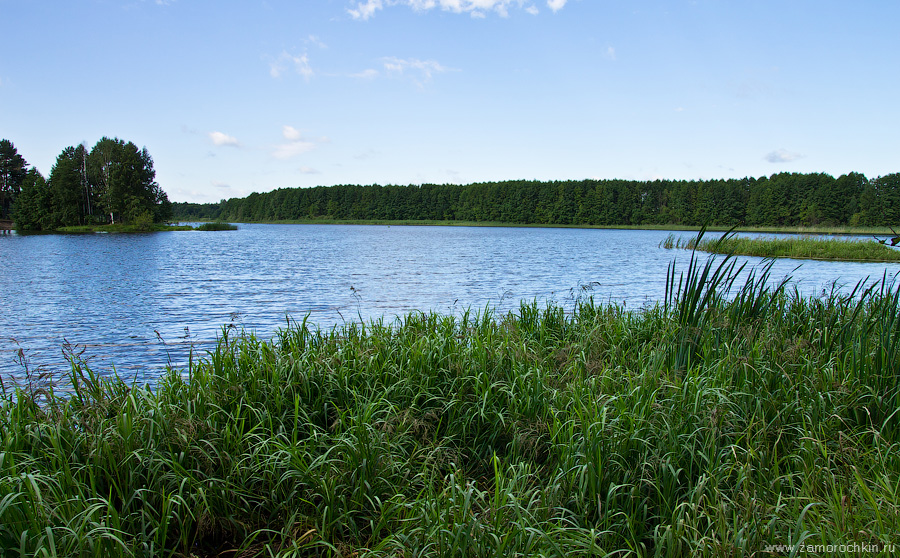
(12, 173)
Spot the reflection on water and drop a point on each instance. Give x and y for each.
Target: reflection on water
(139, 302)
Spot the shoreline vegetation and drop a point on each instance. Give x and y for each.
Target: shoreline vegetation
(801, 248)
(799, 229)
(730, 417)
(143, 228)
(780, 200)
(112, 183)
(211, 225)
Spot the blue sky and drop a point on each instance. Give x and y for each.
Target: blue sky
(232, 97)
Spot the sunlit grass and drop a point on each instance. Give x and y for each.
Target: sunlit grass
(729, 417)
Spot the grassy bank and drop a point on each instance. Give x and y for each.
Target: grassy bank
(802, 248)
(216, 226)
(726, 419)
(124, 228)
(156, 227)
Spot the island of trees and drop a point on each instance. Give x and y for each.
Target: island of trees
(113, 182)
(780, 200)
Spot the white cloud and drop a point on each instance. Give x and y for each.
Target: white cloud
(782, 156)
(421, 70)
(220, 138)
(308, 170)
(366, 74)
(365, 10)
(290, 133)
(315, 40)
(610, 53)
(475, 8)
(300, 64)
(556, 5)
(296, 144)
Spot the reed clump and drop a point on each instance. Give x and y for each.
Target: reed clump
(725, 419)
(217, 226)
(803, 248)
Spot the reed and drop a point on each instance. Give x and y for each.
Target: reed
(725, 419)
(804, 248)
(123, 228)
(216, 226)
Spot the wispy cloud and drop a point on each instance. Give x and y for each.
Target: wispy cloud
(291, 149)
(313, 39)
(366, 74)
(221, 138)
(286, 61)
(782, 156)
(368, 154)
(363, 10)
(295, 144)
(308, 170)
(420, 71)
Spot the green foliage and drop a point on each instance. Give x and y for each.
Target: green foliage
(783, 200)
(726, 419)
(143, 222)
(12, 174)
(30, 213)
(113, 182)
(217, 226)
(122, 182)
(69, 188)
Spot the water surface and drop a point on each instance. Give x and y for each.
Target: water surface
(138, 302)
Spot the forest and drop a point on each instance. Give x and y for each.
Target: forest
(113, 182)
(785, 199)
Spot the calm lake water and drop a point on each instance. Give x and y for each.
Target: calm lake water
(138, 302)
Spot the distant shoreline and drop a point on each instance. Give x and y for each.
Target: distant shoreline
(823, 230)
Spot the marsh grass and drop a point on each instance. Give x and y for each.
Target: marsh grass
(725, 419)
(216, 226)
(804, 248)
(141, 227)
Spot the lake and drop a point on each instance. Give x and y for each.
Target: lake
(138, 302)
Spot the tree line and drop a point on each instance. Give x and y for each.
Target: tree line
(785, 199)
(113, 182)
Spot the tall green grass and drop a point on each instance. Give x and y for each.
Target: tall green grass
(725, 419)
(216, 226)
(805, 248)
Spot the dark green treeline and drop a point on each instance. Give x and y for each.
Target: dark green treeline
(113, 182)
(786, 199)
